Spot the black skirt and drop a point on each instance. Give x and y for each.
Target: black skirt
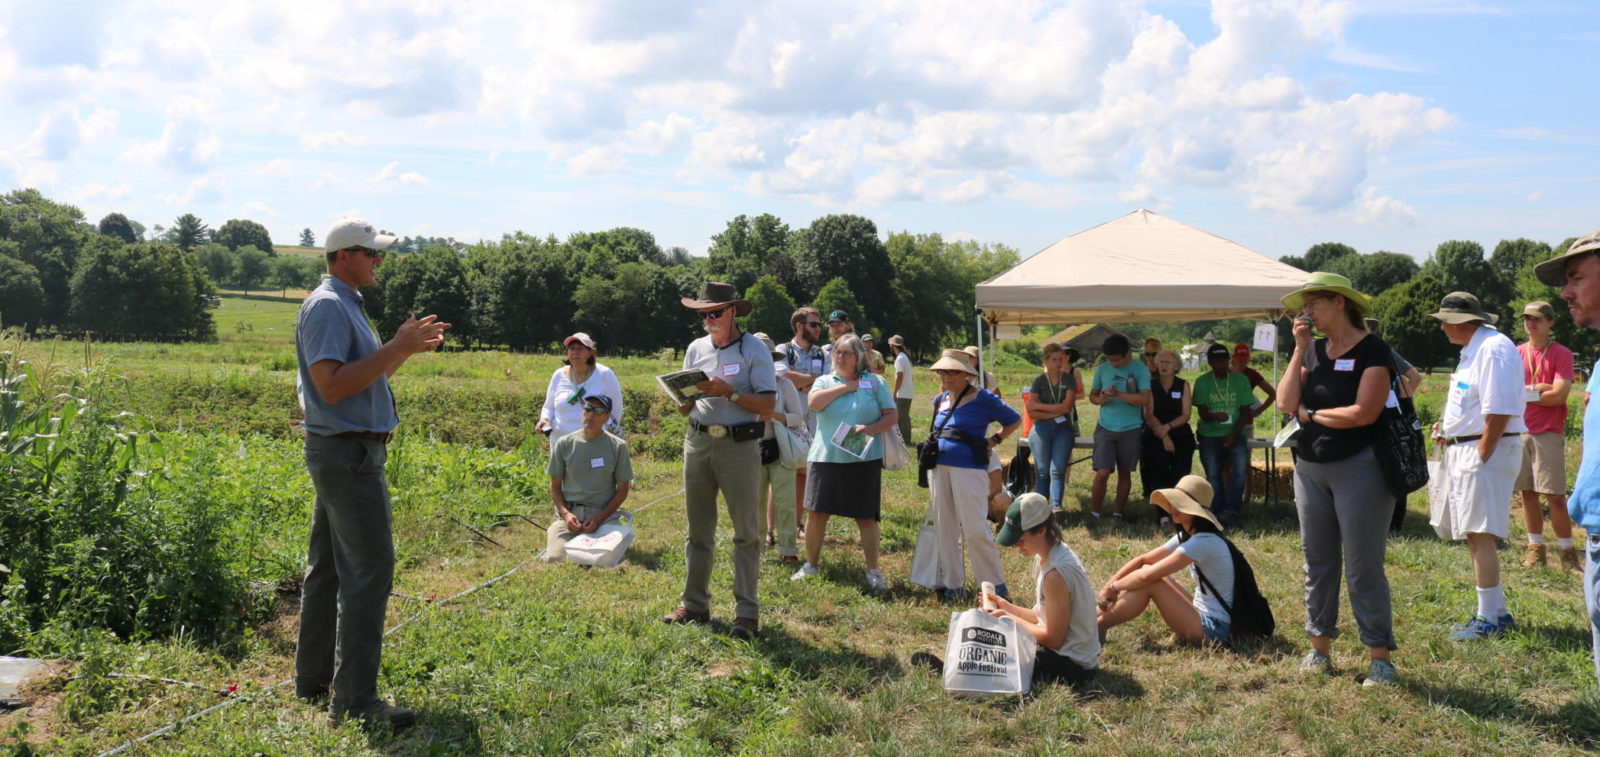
(848, 490)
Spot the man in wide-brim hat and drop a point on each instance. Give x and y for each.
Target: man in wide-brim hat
(1481, 432)
(722, 453)
(1577, 271)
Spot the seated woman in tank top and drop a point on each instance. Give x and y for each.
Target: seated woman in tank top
(1147, 579)
(1062, 619)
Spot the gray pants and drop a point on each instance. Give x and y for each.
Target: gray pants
(733, 468)
(903, 404)
(557, 535)
(1344, 516)
(350, 572)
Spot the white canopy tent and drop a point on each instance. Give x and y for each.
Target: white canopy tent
(1140, 268)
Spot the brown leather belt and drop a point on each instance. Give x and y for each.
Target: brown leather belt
(381, 437)
(1449, 440)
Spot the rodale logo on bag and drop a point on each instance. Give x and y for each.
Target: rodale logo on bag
(986, 636)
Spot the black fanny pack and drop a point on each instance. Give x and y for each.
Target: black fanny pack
(978, 444)
(769, 451)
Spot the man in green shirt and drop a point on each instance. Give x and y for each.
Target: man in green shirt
(589, 477)
(1223, 400)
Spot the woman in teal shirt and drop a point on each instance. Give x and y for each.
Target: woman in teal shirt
(854, 409)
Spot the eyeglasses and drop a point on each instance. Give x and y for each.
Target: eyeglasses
(813, 324)
(712, 315)
(596, 409)
(375, 254)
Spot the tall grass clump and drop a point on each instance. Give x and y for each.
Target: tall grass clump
(94, 533)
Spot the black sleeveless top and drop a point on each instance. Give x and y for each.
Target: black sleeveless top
(1166, 404)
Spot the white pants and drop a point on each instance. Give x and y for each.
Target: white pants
(1473, 495)
(961, 512)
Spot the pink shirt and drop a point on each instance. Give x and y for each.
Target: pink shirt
(1544, 367)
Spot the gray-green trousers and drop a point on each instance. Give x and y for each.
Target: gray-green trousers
(709, 466)
(350, 572)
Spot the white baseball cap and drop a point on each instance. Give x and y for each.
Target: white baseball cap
(355, 232)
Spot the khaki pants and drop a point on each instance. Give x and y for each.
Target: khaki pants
(780, 481)
(733, 468)
(961, 507)
(557, 536)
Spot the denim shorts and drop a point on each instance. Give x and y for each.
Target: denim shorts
(1216, 630)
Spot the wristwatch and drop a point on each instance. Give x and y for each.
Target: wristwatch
(997, 439)
(1311, 414)
(734, 398)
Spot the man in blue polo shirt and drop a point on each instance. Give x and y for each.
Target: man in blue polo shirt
(349, 411)
(1578, 270)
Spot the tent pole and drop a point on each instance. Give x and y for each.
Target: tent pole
(981, 365)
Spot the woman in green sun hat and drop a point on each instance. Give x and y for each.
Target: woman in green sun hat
(1336, 387)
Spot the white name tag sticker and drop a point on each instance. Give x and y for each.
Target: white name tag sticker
(597, 462)
(1345, 364)
(816, 365)
(1061, 419)
(865, 383)
(731, 369)
(1178, 395)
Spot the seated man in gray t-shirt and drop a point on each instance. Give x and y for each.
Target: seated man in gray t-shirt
(590, 473)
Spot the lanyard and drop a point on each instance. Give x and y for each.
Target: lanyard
(1534, 367)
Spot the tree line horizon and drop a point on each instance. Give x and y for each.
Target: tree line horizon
(60, 274)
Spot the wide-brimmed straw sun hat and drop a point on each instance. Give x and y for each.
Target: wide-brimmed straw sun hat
(953, 360)
(1328, 283)
(1553, 272)
(715, 294)
(1192, 495)
(1462, 307)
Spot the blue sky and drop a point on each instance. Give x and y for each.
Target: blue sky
(1386, 125)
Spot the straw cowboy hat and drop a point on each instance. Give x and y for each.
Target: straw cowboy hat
(1192, 495)
(1331, 283)
(714, 295)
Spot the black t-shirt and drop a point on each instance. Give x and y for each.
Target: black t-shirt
(1052, 394)
(1334, 383)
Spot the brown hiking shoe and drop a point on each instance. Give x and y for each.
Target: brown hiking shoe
(745, 629)
(685, 615)
(1570, 559)
(1535, 556)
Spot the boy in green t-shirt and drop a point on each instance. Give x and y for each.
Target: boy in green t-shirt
(590, 473)
(1223, 399)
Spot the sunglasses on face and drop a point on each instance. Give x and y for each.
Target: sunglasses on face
(375, 254)
(814, 324)
(596, 409)
(712, 315)
(1150, 355)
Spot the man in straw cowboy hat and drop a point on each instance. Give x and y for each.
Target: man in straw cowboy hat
(1482, 435)
(721, 452)
(1578, 272)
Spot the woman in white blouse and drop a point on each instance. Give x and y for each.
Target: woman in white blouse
(579, 377)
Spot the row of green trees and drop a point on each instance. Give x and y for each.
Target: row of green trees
(620, 286)
(59, 272)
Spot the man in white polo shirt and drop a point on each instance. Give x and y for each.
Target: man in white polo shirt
(1482, 435)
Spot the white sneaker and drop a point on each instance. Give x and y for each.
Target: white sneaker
(806, 570)
(875, 580)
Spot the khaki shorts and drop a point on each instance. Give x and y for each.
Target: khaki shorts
(1544, 464)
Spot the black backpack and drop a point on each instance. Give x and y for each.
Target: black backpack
(1250, 613)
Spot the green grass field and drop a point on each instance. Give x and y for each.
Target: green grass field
(559, 659)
